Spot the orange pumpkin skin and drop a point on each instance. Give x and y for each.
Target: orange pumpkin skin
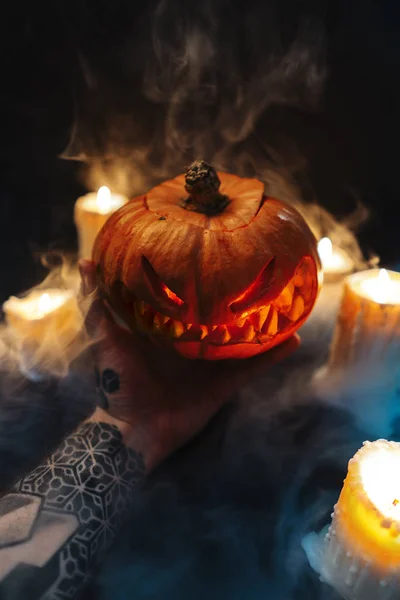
(230, 285)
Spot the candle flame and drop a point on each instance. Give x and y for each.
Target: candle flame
(325, 250)
(381, 483)
(383, 279)
(44, 303)
(104, 199)
(382, 289)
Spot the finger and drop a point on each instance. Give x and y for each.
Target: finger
(87, 272)
(102, 322)
(94, 320)
(98, 318)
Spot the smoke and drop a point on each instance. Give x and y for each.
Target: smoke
(46, 382)
(45, 346)
(195, 82)
(341, 233)
(209, 79)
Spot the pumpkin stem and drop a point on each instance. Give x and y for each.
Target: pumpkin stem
(202, 184)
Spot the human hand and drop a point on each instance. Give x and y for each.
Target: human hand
(157, 398)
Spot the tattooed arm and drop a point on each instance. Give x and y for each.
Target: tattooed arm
(59, 521)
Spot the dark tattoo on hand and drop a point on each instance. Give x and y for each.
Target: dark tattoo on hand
(110, 381)
(64, 515)
(107, 383)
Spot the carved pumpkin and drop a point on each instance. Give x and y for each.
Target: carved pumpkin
(209, 263)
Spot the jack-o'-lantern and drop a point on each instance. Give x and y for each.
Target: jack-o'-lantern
(209, 263)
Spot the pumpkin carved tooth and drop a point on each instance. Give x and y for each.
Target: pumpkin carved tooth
(271, 325)
(284, 301)
(203, 332)
(240, 322)
(248, 333)
(177, 328)
(226, 336)
(299, 277)
(261, 317)
(297, 309)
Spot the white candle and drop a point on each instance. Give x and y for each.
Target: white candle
(45, 326)
(91, 212)
(336, 263)
(360, 555)
(368, 325)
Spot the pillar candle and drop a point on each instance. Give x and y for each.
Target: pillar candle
(45, 327)
(91, 212)
(368, 325)
(361, 551)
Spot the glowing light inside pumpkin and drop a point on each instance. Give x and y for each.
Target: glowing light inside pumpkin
(171, 295)
(382, 287)
(379, 472)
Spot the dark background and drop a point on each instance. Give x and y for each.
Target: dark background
(127, 83)
(340, 147)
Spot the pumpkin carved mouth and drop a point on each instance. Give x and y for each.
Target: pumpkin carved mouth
(255, 326)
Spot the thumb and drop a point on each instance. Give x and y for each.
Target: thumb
(87, 271)
(94, 320)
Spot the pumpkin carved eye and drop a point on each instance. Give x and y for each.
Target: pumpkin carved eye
(160, 289)
(257, 289)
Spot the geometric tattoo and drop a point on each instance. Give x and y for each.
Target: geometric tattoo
(59, 520)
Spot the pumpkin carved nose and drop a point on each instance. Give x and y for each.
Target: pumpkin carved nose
(256, 290)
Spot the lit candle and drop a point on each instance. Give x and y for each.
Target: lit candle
(382, 288)
(360, 555)
(368, 325)
(91, 212)
(335, 262)
(44, 326)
